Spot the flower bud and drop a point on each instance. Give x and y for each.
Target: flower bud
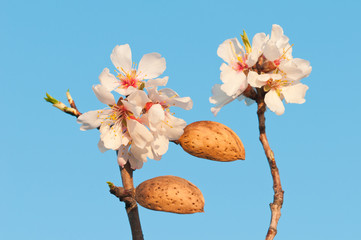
(170, 194)
(213, 141)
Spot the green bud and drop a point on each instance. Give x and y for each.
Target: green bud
(50, 99)
(111, 185)
(246, 42)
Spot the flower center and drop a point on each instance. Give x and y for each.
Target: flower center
(240, 65)
(275, 84)
(129, 79)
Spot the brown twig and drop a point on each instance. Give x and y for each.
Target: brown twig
(126, 194)
(72, 103)
(277, 188)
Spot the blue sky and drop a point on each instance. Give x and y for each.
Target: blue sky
(53, 177)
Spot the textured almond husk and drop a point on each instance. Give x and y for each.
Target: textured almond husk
(170, 194)
(213, 141)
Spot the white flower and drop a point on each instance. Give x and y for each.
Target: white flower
(119, 126)
(278, 88)
(277, 48)
(160, 121)
(279, 51)
(129, 78)
(233, 73)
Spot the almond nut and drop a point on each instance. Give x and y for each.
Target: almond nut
(212, 140)
(170, 194)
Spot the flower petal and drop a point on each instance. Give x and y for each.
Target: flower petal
(296, 69)
(219, 98)
(136, 110)
(138, 98)
(123, 155)
(258, 43)
(173, 127)
(151, 66)
(92, 119)
(160, 144)
(108, 81)
(101, 146)
(125, 91)
(171, 98)
(252, 79)
(135, 163)
(234, 83)
(122, 57)
(140, 135)
(295, 93)
(155, 116)
(156, 82)
(103, 95)
(229, 49)
(274, 103)
(111, 136)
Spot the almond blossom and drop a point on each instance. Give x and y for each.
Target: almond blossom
(163, 125)
(278, 88)
(128, 76)
(119, 126)
(234, 73)
(267, 64)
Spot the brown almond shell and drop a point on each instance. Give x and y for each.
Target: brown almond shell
(170, 194)
(213, 141)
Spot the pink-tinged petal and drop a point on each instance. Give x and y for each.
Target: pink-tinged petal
(108, 80)
(92, 119)
(101, 146)
(228, 50)
(138, 98)
(295, 93)
(173, 127)
(123, 155)
(111, 136)
(103, 95)
(139, 133)
(151, 66)
(135, 163)
(274, 102)
(156, 82)
(122, 57)
(155, 116)
(235, 83)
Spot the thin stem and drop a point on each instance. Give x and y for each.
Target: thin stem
(277, 188)
(131, 206)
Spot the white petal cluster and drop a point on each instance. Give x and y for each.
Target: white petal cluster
(139, 125)
(243, 69)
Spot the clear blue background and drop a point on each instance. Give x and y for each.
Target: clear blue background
(53, 177)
